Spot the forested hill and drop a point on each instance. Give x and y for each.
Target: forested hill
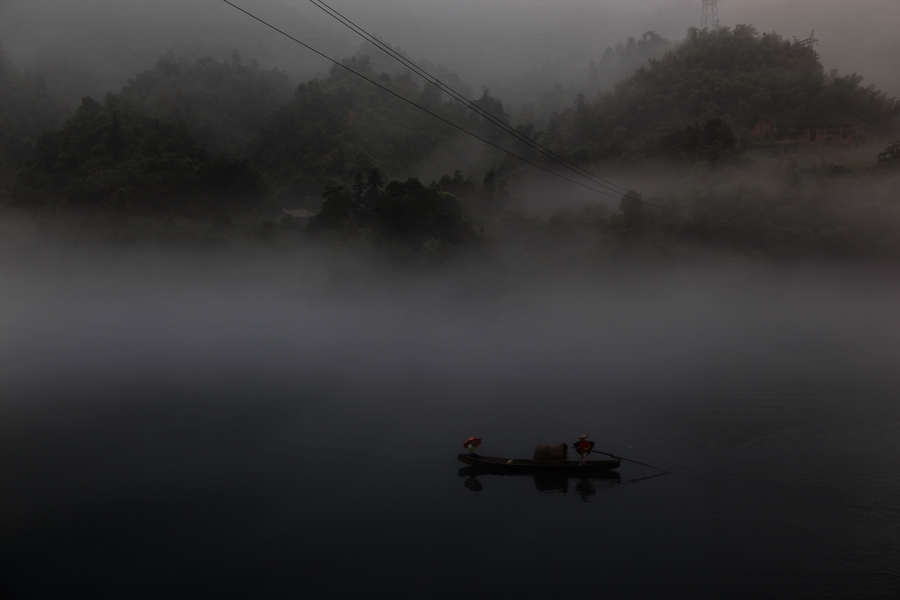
(26, 109)
(155, 144)
(342, 125)
(108, 156)
(224, 103)
(169, 138)
(733, 75)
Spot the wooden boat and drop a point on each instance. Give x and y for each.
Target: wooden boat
(493, 464)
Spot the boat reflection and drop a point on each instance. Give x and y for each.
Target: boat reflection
(585, 487)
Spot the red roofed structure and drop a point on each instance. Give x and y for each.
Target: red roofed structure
(820, 129)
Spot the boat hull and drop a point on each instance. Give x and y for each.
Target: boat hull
(561, 467)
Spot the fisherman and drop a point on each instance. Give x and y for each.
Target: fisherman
(583, 447)
(472, 443)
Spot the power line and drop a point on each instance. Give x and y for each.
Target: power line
(466, 102)
(608, 191)
(422, 108)
(387, 49)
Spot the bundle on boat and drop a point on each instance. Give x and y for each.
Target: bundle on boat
(549, 452)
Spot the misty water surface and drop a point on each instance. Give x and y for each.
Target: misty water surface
(269, 425)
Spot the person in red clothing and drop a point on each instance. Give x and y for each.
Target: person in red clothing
(583, 447)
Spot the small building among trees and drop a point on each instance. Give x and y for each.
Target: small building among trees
(818, 129)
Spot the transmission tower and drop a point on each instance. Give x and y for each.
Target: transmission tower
(710, 17)
(808, 41)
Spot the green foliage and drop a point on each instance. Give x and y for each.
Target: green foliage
(343, 125)
(26, 109)
(411, 214)
(224, 103)
(710, 143)
(815, 216)
(457, 185)
(140, 148)
(108, 156)
(818, 217)
(735, 76)
(631, 213)
(492, 106)
(890, 156)
(401, 215)
(350, 210)
(620, 62)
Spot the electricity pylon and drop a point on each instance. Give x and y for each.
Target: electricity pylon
(710, 17)
(808, 41)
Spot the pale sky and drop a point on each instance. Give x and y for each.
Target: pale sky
(485, 38)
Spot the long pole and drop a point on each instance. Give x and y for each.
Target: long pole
(632, 461)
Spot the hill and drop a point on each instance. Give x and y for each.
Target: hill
(26, 109)
(109, 156)
(224, 103)
(734, 76)
(342, 125)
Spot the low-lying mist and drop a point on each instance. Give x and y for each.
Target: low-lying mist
(94, 316)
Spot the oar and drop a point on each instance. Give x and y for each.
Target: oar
(633, 461)
(639, 479)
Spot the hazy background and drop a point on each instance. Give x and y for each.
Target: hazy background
(90, 47)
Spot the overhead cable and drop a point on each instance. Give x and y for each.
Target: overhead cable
(493, 119)
(606, 192)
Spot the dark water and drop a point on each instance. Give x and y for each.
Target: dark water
(172, 429)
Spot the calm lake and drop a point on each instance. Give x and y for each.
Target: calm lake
(287, 427)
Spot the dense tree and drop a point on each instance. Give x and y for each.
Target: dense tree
(26, 109)
(411, 214)
(404, 215)
(457, 185)
(620, 62)
(492, 112)
(108, 156)
(224, 103)
(341, 125)
(734, 76)
(711, 142)
(890, 156)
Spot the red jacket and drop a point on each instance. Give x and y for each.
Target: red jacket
(583, 446)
